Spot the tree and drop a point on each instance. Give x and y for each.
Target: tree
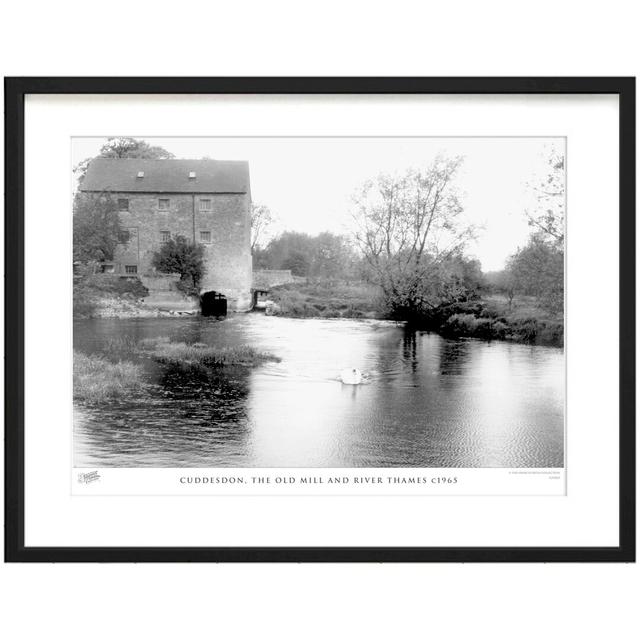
(466, 272)
(538, 270)
(503, 282)
(547, 216)
(185, 258)
(297, 262)
(96, 227)
(261, 220)
(280, 250)
(326, 256)
(410, 231)
(124, 148)
(332, 257)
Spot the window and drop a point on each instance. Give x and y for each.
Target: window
(163, 204)
(205, 236)
(192, 175)
(205, 205)
(131, 268)
(123, 204)
(165, 236)
(140, 174)
(124, 236)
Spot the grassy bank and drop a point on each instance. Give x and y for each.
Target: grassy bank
(96, 379)
(99, 378)
(93, 294)
(491, 319)
(328, 299)
(198, 354)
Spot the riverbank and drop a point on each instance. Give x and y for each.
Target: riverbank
(486, 318)
(115, 373)
(490, 319)
(198, 355)
(328, 299)
(112, 296)
(97, 379)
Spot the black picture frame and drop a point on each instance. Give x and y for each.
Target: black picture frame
(15, 91)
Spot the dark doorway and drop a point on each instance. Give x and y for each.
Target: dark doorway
(213, 303)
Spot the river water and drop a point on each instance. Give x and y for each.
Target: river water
(427, 401)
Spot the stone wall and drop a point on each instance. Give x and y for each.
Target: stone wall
(227, 247)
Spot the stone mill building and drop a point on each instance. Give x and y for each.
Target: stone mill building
(206, 201)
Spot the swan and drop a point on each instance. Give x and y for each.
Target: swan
(351, 376)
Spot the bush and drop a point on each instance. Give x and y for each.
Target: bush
(484, 320)
(550, 332)
(467, 325)
(500, 330)
(181, 256)
(188, 288)
(540, 332)
(526, 329)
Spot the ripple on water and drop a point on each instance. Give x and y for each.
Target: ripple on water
(428, 402)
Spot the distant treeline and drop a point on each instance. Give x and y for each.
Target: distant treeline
(324, 256)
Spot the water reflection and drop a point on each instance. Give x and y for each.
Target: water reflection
(428, 401)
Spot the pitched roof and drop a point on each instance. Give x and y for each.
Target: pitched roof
(166, 176)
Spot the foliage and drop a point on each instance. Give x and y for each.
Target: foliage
(96, 227)
(187, 287)
(116, 285)
(122, 147)
(332, 257)
(180, 256)
(286, 244)
(466, 324)
(202, 355)
(89, 289)
(538, 270)
(326, 255)
(328, 299)
(261, 219)
(536, 331)
(503, 282)
(529, 330)
(96, 379)
(548, 215)
(83, 306)
(490, 320)
(297, 262)
(410, 230)
(120, 345)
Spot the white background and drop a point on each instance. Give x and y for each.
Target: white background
(461, 601)
(587, 516)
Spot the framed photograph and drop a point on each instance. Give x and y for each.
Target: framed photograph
(320, 319)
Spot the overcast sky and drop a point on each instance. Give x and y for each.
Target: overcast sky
(308, 182)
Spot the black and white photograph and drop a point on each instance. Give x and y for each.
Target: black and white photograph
(320, 302)
(321, 320)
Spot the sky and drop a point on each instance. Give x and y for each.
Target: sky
(308, 182)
